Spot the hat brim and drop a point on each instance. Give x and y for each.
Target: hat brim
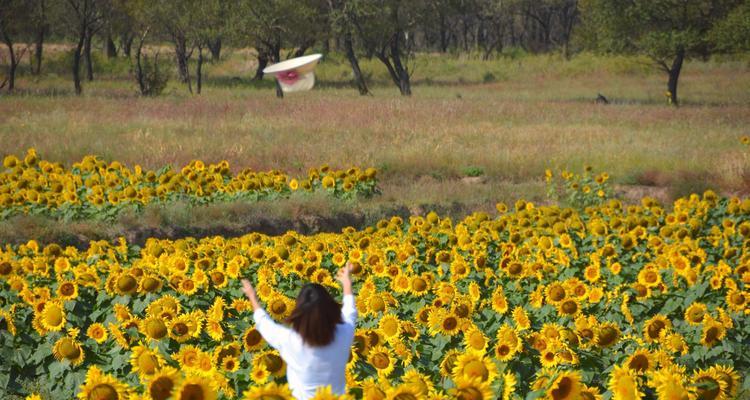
(302, 64)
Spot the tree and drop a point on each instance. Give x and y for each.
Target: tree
(341, 24)
(15, 20)
(269, 26)
(668, 31)
(81, 17)
(733, 33)
(386, 29)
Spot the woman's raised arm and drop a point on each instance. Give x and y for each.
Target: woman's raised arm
(272, 332)
(348, 308)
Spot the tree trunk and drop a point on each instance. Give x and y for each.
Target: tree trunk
(403, 74)
(214, 46)
(111, 48)
(77, 64)
(180, 51)
(38, 49)
(262, 63)
(674, 75)
(279, 91)
(358, 78)
(139, 66)
(199, 71)
(12, 66)
(126, 43)
(87, 55)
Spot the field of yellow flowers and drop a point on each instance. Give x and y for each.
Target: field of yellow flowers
(95, 189)
(605, 301)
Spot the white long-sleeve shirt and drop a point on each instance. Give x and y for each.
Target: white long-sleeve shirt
(310, 367)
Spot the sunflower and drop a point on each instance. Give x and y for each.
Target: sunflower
(153, 327)
(640, 361)
(404, 391)
(97, 332)
(713, 332)
(195, 387)
(183, 327)
(279, 306)
(567, 385)
(271, 361)
(623, 383)
(709, 385)
(737, 300)
(259, 374)
(382, 359)
(508, 343)
(568, 307)
(471, 389)
(730, 377)
(324, 393)
(474, 339)
(654, 326)
(419, 285)
(554, 293)
(474, 365)
(67, 290)
(521, 319)
(145, 361)
(100, 386)
(607, 334)
(509, 385)
(695, 313)
(162, 383)
(591, 393)
(52, 317)
(669, 383)
(67, 348)
(499, 302)
(422, 383)
(389, 326)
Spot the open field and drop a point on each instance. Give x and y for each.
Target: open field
(507, 119)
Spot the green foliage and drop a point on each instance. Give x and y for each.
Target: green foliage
(579, 190)
(473, 171)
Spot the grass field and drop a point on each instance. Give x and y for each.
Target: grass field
(507, 119)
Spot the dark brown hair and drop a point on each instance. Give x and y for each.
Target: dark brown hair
(315, 316)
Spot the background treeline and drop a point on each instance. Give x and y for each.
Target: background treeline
(391, 31)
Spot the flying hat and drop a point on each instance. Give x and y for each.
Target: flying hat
(295, 74)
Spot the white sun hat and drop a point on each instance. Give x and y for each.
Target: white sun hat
(295, 74)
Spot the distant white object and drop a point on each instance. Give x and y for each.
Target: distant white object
(295, 74)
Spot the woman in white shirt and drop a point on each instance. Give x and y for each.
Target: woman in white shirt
(316, 346)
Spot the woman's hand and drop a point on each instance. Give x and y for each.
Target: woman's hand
(249, 291)
(344, 277)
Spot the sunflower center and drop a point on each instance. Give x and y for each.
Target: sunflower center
(569, 307)
(419, 284)
(404, 396)
(557, 293)
(563, 389)
(639, 363)
(469, 393)
(156, 329)
(377, 304)
(161, 388)
(67, 289)
(476, 368)
(450, 323)
(607, 336)
(180, 329)
(150, 284)
(278, 307)
(147, 363)
(252, 338)
(655, 328)
(708, 389)
(69, 350)
(192, 392)
(273, 363)
(126, 283)
(381, 361)
(53, 316)
(103, 391)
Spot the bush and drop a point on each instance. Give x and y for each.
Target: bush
(150, 76)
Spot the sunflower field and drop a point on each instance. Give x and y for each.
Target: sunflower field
(612, 301)
(95, 189)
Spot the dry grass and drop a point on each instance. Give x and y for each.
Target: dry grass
(538, 114)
